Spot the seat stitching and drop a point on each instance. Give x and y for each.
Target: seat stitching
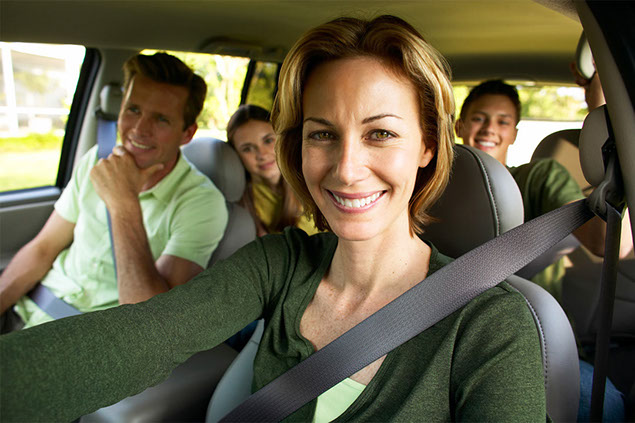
(542, 338)
(491, 196)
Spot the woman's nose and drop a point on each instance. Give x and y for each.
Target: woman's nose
(350, 162)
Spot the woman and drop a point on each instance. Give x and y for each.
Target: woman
(268, 197)
(364, 116)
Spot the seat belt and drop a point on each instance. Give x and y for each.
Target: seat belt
(42, 295)
(436, 297)
(106, 141)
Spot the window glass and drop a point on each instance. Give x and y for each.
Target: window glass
(225, 76)
(37, 84)
(545, 109)
(263, 85)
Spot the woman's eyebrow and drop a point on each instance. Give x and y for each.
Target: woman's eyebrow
(377, 117)
(366, 120)
(319, 120)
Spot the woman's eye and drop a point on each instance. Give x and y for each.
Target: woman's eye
(321, 136)
(477, 119)
(133, 109)
(270, 140)
(381, 135)
(504, 122)
(163, 119)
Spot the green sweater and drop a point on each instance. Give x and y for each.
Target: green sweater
(482, 363)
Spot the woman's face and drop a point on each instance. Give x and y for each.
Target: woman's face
(362, 145)
(255, 141)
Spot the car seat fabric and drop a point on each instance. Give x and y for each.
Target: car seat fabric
(235, 385)
(219, 161)
(495, 206)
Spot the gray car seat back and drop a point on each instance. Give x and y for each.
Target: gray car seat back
(220, 162)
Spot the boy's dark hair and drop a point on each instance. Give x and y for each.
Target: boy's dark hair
(492, 87)
(165, 68)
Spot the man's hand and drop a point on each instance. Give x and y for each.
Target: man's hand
(118, 180)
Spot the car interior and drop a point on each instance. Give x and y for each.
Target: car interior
(525, 41)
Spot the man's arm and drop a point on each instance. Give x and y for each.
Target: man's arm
(593, 233)
(138, 277)
(34, 260)
(118, 182)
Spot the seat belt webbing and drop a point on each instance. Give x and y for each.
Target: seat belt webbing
(439, 295)
(53, 306)
(608, 284)
(106, 141)
(43, 296)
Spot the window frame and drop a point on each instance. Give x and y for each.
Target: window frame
(77, 114)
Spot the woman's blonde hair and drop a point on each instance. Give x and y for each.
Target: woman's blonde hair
(398, 45)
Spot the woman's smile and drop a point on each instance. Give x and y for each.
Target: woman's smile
(355, 203)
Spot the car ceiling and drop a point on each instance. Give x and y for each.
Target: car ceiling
(513, 39)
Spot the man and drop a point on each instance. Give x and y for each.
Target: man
(488, 121)
(167, 218)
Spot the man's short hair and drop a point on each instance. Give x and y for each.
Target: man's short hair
(492, 87)
(165, 68)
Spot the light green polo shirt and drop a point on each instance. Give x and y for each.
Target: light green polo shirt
(184, 215)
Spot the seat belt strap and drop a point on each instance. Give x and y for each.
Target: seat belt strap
(608, 286)
(106, 135)
(53, 306)
(43, 296)
(439, 295)
(106, 141)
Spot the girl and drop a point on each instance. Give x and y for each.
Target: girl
(268, 197)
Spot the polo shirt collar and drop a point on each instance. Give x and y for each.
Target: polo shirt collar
(165, 188)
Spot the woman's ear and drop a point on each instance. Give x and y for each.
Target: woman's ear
(427, 154)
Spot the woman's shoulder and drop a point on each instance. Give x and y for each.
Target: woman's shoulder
(500, 308)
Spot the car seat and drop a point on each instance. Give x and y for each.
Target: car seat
(220, 162)
(495, 206)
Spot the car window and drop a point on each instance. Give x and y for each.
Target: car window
(545, 109)
(38, 82)
(263, 85)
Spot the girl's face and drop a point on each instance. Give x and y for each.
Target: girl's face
(362, 145)
(255, 141)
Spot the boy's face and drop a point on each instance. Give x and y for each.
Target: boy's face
(489, 125)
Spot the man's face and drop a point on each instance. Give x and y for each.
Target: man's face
(151, 122)
(489, 125)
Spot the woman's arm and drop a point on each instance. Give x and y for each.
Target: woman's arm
(70, 367)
